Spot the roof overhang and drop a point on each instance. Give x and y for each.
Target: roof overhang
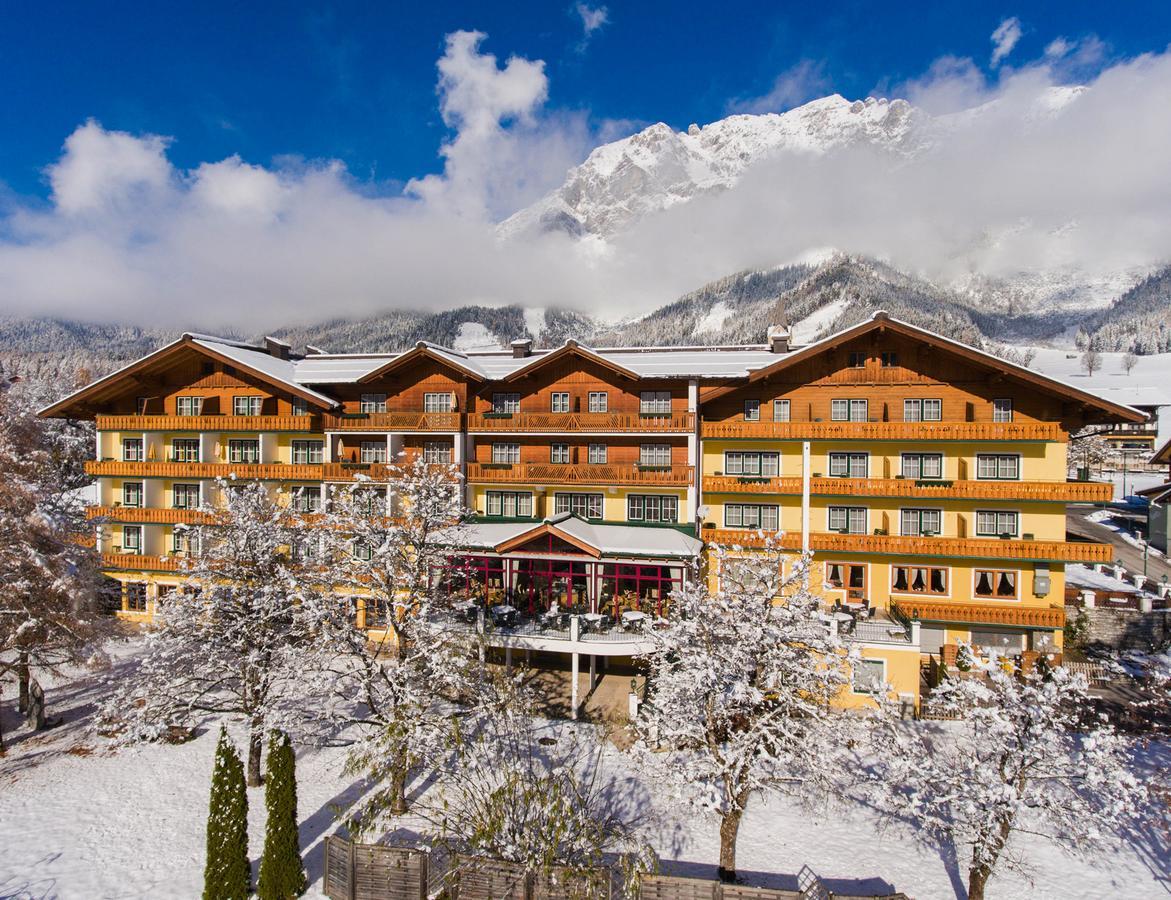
(422, 350)
(571, 348)
(548, 527)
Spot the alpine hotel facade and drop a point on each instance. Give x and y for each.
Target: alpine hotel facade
(927, 478)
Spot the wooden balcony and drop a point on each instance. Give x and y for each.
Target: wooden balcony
(570, 423)
(262, 471)
(309, 423)
(136, 562)
(1055, 491)
(982, 613)
(399, 420)
(897, 545)
(549, 473)
(143, 515)
(886, 431)
(381, 472)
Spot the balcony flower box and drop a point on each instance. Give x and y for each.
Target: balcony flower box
(497, 415)
(355, 465)
(496, 465)
(932, 482)
(655, 415)
(359, 415)
(643, 468)
(748, 479)
(881, 532)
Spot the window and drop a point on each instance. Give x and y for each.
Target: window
(247, 406)
(437, 453)
(372, 403)
(654, 403)
(751, 410)
(437, 401)
(559, 402)
(506, 403)
(188, 406)
(185, 496)
(511, 504)
(1000, 466)
(921, 522)
(140, 405)
(847, 519)
(132, 493)
(362, 551)
(922, 410)
(922, 466)
(652, 508)
(849, 465)
(994, 523)
(307, 499)
(372, 451)
(300, 406)
(559, 454)
(1000, 641)
(1002, 410)
(306, 550)
(857, 359)
(781, 411)
(751, 515)
(918, 580)
(134, 593)
(995, 584)
(506, 454)
(185, 450)
(848, 410)
(599, 402)
(890, 359)
(308, 452)
(131, 538)
(869, 676)
(597, 454)
(588, 506)
(370, 501)
(846, 576)
(654, 455)
(752, 463)
(132, 450)
(244, 451)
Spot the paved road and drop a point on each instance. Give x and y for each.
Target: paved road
(1131, 556)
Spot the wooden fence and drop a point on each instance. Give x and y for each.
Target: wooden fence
(672, 887)
(373, 871)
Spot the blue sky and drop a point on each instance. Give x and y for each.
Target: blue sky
(356, 82)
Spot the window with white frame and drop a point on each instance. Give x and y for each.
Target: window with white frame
(781, 411)
(597, 454)
(922, 466)
(131, 538)
(185, 496)
(654, 403)
(997, 522)
(751, 515)
(559, 454)
(306, 550)
(559, 402)
(244, 450)
(921, 522)
(188, 406)
(652, 508)
(869, 676)
(437, 401)
(847, 519)
(247, 405)
(918, 579)
(436, 453)
(587, 506)
(185, 450)
(917, 410)
(1002, 410)
(370, 501)
(300, 406)
(996, 584)
(134, 593)
(132, 493)
(751, 410)
(753, 463)
(509, 504)
(654, 455)
(849, 410)
(372, 403)
(506, 403)
(372, 451)
(132, 450)
(506, 454)
(599, 402)
(998, 466)
(849, 465)
(362, 551)
(307, 499)
(308, 452)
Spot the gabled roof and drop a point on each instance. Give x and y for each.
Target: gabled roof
(1163, 453)
(591, 538)
(571, 348)
(1156, 494)
(255, 360)
(427, 350)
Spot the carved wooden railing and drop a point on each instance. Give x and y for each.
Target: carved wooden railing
(984, 614)
(549, 473)
(887, 431)
(398, 420)
(143, 562)
(308, 423)
(148, 515)
(262, 471)
(582, 422)
(1057, 491)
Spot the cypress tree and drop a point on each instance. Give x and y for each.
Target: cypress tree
(281, 873)
(227, 874)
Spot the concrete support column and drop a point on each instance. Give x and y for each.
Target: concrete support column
(805, 476)
(573, 686)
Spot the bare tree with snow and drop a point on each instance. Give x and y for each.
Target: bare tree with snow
(1129, 361)
(1091, 361)
(740, 689)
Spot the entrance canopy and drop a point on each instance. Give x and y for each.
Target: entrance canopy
(585, 537)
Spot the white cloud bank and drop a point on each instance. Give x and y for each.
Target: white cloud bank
(1035, 179)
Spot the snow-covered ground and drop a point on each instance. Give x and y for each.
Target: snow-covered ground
(79, 820)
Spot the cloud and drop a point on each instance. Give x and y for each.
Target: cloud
(1004, 38)
(592, 20)
(798, 84)
(100, 169)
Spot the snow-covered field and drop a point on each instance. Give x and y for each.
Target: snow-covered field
(79, 820)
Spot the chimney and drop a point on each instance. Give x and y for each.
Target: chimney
(780, 338)
(276, 348)
(522, 348)
(311, 350)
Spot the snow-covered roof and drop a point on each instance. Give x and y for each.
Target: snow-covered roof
(260, 360)
(608, 540)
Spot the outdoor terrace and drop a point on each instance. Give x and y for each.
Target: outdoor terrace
(397, 420)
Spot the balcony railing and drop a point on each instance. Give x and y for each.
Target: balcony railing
(550, 473)
(350, 471)
(148, 515)
(1057, 491)
(143, 562)
(399, 420)
(262, 471)
(887, 431)
(560, 423)
(308, 423)
(984, 614)
(898, 545)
